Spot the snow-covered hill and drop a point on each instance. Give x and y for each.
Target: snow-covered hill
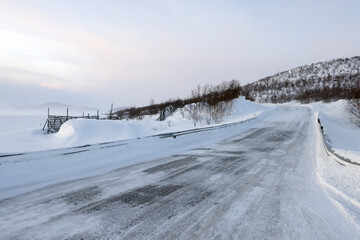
(336, 67)
(330, 80)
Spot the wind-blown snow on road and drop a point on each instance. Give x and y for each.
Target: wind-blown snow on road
(258, 179)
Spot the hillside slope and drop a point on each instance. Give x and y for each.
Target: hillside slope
(330, 80)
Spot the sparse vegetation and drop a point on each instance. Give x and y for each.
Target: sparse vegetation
(208, 102)
(324, 81)
(213, 103)
(354, 109)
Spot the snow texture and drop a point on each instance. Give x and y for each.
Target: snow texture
(342, 74)
(269, 176)
(22, 133)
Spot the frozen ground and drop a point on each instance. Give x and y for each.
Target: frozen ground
(270, 177)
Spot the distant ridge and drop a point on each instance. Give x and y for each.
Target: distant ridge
(328, 80)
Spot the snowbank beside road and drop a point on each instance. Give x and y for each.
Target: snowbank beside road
(342, 135)
(85, 131)
(341, 178)
(24, 133)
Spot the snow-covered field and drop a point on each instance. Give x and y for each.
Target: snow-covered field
(280, 154)
(22, 133)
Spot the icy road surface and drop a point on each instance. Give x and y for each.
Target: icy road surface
(252, 180)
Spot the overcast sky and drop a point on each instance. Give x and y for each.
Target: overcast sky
(94, 53)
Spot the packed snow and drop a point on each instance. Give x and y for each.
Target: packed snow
(120, 144)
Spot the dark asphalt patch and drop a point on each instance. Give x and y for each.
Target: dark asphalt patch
(242, 170)
(251, 135)
(139, 196)
(280, 136)
(227, 164)
(263, 149)
(82, 195)
(170, 165)
(231, 159)
(198, 198)
(147, 194)
(196, 167)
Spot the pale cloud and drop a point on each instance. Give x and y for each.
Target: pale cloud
(52, 85)
(133, 51)
(42, 44)
(127, 55)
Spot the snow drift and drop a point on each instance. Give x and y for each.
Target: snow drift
(26, 135)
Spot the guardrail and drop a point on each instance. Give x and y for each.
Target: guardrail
(329, 149)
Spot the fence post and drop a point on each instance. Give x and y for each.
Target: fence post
(46, 122)
(111, 111)
(67, 114)
(97, 114)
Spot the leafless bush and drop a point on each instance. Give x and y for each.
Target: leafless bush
(206, 103)
(213, 103)
(195, 112)
(218, 111)
(354, 109)
(182, 112)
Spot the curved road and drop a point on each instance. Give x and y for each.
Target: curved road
(254, 180)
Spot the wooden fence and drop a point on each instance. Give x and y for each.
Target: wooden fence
(54, 122)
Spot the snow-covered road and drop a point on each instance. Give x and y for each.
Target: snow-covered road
(252, 180)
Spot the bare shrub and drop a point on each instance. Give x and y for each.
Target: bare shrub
(208, 103)
(354, 109)
(195, 111)
(218, 111)
(182, 112)
(199, 112)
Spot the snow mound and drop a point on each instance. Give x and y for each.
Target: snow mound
(87, 131)
(244, 109)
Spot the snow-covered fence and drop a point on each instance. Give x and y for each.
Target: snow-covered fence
(54, 122)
